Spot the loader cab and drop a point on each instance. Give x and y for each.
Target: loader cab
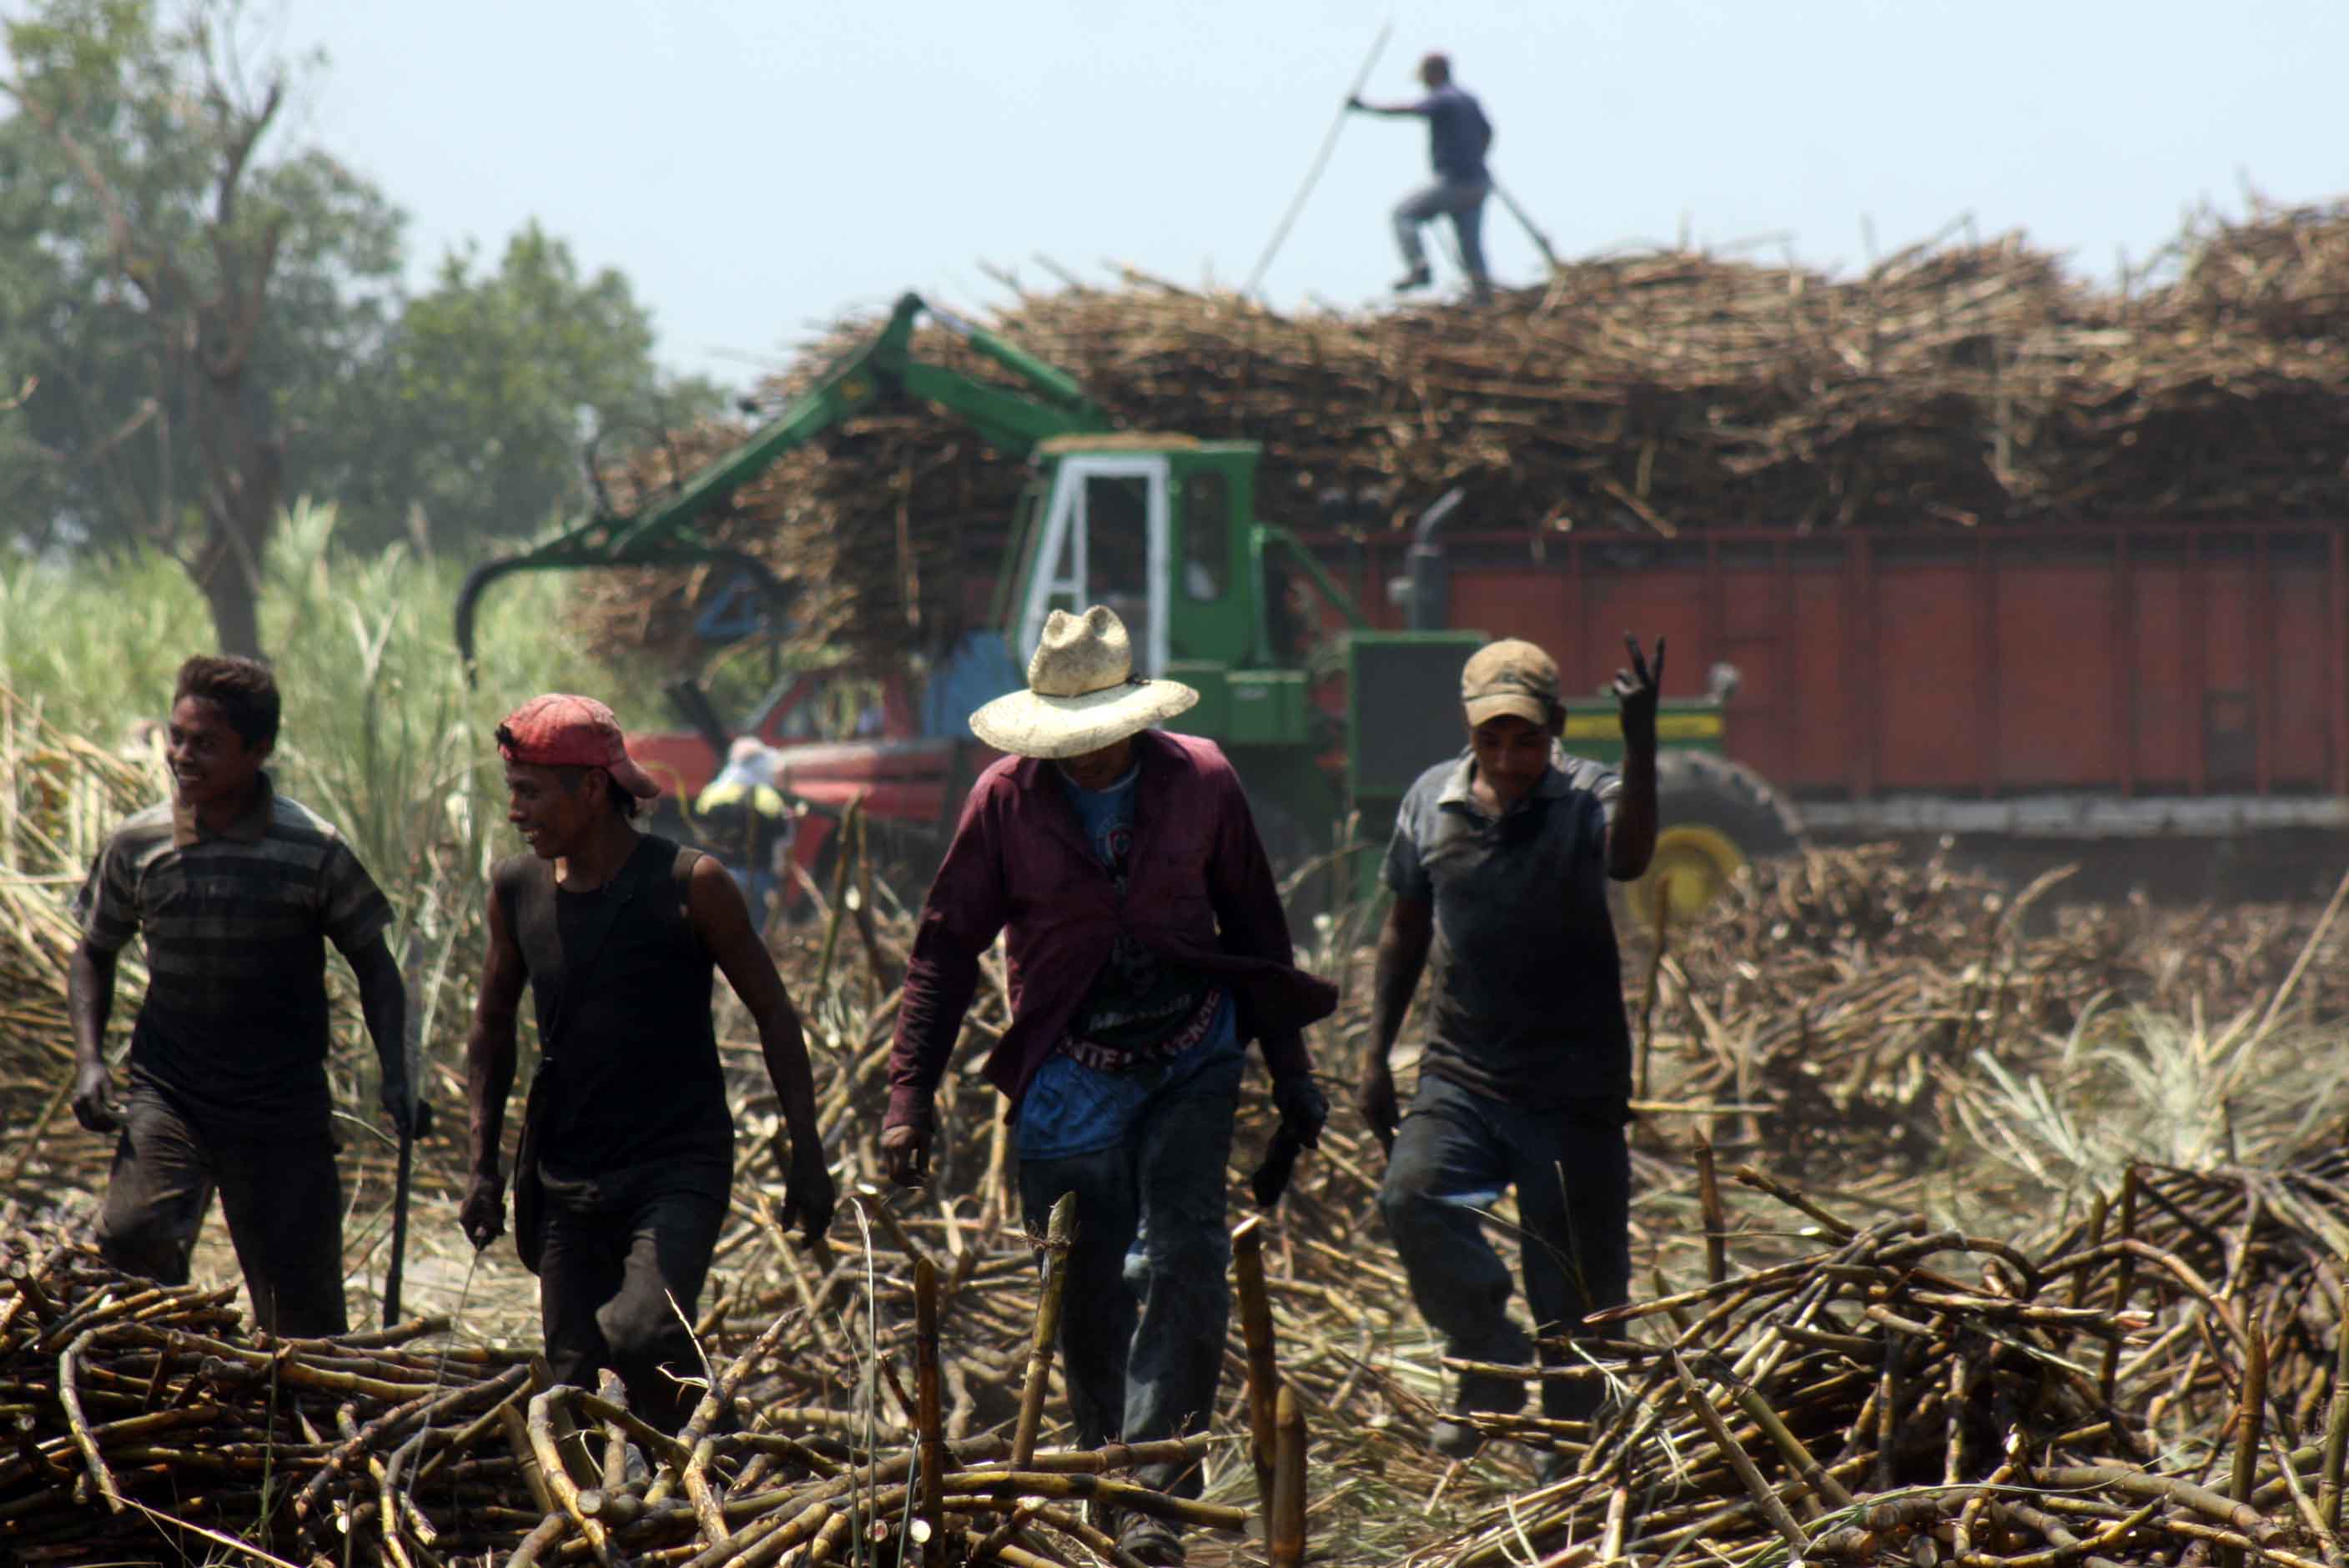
(1158, 527)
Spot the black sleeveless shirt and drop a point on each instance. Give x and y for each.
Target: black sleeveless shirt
(634, 1077)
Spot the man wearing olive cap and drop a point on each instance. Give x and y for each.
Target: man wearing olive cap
(1145, 947)
(1499, 868)
(626, 1161)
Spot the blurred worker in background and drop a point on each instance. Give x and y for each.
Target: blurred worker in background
(1145, 947)
(237, 890)
(746, 819)
(1499, 868)
(625, 1164)
(1457, 137)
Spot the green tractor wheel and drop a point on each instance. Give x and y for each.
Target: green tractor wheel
(1715, 816)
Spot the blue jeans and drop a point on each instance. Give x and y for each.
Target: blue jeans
(1462, 202)
(1454, 1154)
(1142, 1327)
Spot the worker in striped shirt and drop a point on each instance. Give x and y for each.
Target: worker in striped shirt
(237, 890)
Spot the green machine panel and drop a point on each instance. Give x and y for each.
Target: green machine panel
(1213, 716)
(1266, 707)
(1403, 693)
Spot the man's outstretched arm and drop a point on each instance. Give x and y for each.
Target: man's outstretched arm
(1631, 832)
(721, 919)
(959, 920)
(490, 1051)
(1403, 944)
(383, 1002)
(89, 1002)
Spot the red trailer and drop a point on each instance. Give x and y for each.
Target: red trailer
(2144, 680)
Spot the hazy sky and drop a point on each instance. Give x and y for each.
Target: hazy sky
(757, 167)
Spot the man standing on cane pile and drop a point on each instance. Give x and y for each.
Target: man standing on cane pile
(236, 890)
(627, 1159)
(1458, 135)
(1499, 868)
(1145, 945)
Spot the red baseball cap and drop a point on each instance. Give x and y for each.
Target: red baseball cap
(559, 730)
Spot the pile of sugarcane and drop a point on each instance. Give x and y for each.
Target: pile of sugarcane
(60, 795)
(141, 1416)
(1918, 1393)
(137, 1409)
(1849, 989)
(1959, 382)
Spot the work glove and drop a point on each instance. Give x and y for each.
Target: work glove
(1302, 1106)
(483, 1216)
(808, 1191)
(93, 1100)
(1636, 692)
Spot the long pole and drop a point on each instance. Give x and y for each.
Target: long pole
(1541, 241)
(1320, 160)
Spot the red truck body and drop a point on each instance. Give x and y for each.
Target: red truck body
(2130, 679)
(2157, 663)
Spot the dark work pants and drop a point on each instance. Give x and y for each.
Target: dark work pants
(1142, 1325)
(1454, 1154)
(281, 1195)
(620, 1246)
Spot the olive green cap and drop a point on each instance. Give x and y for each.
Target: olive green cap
(1510, 676)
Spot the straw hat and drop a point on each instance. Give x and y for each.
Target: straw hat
(1082, 693)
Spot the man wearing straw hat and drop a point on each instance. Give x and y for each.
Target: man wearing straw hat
(1145, 947)
(1499, 866)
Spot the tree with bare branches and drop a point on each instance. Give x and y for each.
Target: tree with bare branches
(163, 402)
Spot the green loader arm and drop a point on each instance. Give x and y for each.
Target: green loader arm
(670, 534)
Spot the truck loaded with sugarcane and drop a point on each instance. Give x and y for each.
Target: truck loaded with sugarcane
(1322, 711)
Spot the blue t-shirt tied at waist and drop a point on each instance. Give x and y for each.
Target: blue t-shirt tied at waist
(1146, 1030)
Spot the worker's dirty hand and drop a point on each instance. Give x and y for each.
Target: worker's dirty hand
(1636, 693)
(808, 1195)
(409, 1116)
(906, 1150)
(93, 1100)
(1303, 1107)
(483, 1212)
(1376, 1100)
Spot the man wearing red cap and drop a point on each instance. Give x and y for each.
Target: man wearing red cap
(627, 1158)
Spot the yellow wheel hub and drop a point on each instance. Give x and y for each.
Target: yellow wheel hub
(1691, 865)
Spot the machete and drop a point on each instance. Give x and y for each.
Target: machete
(419, 1123)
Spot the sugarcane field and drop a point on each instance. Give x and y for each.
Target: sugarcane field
(1664, 903)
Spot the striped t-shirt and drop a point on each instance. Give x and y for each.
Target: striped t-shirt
(235, 1022)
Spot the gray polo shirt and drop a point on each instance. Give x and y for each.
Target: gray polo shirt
(1524, 998)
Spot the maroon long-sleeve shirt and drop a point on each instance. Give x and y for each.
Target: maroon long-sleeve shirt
(1199, 892)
